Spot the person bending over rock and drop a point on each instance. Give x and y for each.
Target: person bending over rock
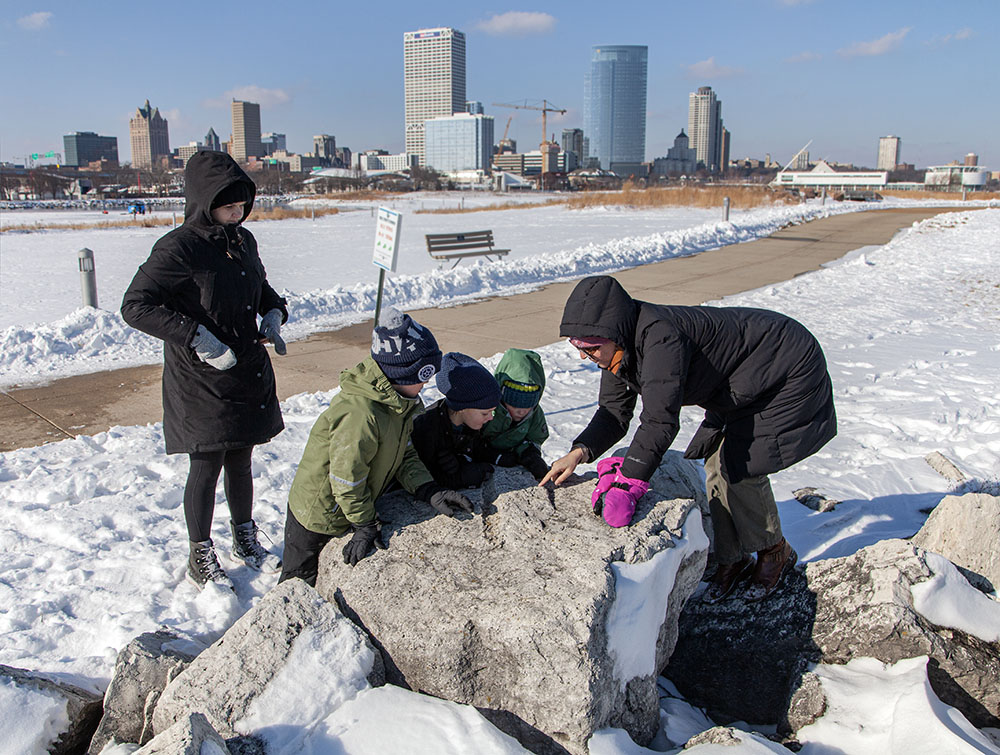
(360, 447)
(761, 378)
(448, 436)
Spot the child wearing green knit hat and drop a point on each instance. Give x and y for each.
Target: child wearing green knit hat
(518, 428)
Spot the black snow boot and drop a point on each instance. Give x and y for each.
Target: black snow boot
(203, 566)
(248, 548)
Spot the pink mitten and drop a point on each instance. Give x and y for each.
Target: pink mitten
(620, 500)
(606, 471)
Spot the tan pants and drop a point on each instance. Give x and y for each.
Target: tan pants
(744, 515)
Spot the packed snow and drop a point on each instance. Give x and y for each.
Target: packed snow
(93, 534)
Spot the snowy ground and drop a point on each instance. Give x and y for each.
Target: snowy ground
(92, 528)
(324, 267)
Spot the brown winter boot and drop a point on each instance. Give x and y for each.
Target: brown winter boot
(772, 565)
(725, 579)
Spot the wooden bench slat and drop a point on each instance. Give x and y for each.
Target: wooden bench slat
(457, 246)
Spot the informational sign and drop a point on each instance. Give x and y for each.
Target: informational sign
(387, 229)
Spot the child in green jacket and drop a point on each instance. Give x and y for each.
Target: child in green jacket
(518, 429)
(359, 446)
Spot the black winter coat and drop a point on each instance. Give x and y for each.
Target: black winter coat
(760, 376)
(208, 274)
(450, 454)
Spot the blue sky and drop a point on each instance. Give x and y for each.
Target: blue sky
(838, 72)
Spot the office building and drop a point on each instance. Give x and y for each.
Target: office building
(888, 152)
(433, 79)
(246, 131)
(212, 142)
(475, 107)
(573, 141)
(380, 161)
(325, 148)
(724, 151)
(971, 159)
(84, 147)
(614, 105)
(188, 151)
(148, 137)
(272, 142)
(458, 142)
(680, 159)
(705, 128)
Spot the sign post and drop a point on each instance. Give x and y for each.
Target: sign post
(388, 224)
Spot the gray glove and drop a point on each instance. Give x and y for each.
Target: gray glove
(448, 502)
(211, 350)
(270, 328)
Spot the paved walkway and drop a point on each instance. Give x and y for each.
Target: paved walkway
(89, 404)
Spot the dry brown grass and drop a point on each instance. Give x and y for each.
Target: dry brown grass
(491, 207)
(286, 213)
(352, 196)
(743, 197)
(947, 195)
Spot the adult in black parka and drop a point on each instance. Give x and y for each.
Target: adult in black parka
(761, 378)
(200, 291)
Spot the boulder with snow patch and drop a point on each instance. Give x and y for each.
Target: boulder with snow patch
(965, 530)
(292, 645)
(143, 668)
(744, 660)
(82, 708)
(191, 735)
(532, 609)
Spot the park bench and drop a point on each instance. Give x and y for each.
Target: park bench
(458, 246)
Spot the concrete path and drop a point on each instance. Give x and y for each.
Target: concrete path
(89, 404)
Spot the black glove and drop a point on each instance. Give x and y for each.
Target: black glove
(365, 535)
(448, 502)
(507, 459)
(483, 470)
(536, 465)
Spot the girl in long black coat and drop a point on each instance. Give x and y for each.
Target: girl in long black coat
(761, 378)
(200, 291)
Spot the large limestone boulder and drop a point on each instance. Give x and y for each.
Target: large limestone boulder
(192, 735)
(532, 609)
(80, 710)
(744, 661)
(143, 668)
(965, 530)
(272, 644)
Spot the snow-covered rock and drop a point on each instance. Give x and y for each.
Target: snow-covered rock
(143, 668)
(63, 716)
(965, 530)
(532, 609)
(191, 735)
(262, 657)
(889, 601)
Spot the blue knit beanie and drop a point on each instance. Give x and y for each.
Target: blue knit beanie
(466, 384)
(405, 351)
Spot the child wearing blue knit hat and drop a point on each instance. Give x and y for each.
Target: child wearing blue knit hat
(448, 435)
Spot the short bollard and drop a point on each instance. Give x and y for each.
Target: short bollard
(725, 210)
(88, 277)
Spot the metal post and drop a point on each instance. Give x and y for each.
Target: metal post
(964, 192)
(378, 300)
(725, 210)
(824, 197)
(88, 278)
(313, 208)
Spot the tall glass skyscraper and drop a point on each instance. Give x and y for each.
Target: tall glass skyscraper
(433, 80)
(614, 105)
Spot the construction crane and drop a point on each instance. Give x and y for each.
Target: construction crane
(506, 143)
(545, 108)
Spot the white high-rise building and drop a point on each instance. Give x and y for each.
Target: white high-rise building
(888, 152)
(434, 80)
(705, 128)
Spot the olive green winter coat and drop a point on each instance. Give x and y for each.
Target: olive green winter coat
(522, 366)
(355, 449)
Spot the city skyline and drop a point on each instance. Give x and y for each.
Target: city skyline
(842, 74)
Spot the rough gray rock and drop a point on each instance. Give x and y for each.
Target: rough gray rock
(508, 608)
(743, 661)
(143, 668)
(813, 499)
(945, 467)
(224, 680)
(807, 704)
(965, 530)
(192, 735)
(83, 708)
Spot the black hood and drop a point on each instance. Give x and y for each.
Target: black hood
(599, 306)
(207, 174)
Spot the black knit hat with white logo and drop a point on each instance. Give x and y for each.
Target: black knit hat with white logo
(406, 351)
(466, 384)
